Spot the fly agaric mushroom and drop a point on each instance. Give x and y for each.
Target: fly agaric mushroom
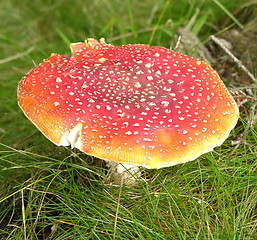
(133, 104)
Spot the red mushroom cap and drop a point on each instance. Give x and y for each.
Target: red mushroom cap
(135, 104)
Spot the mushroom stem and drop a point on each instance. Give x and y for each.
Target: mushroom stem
(126, 173)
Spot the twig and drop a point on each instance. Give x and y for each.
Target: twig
(232, 56)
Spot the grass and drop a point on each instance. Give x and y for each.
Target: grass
(49, 192)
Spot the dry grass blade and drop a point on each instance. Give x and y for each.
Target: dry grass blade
(16, 56)
(23, 215)
(117, 211)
